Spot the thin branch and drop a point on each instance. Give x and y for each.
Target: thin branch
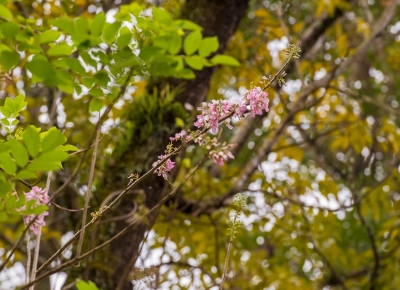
(88, 192)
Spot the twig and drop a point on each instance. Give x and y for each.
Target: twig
(66, 209)
(88, 192)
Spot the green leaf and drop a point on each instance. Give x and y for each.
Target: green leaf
(5, 13)
(68, 147)
(53, 156)
(97, 24)
(64, 81)
(40, 165)
(75, 65)
(52, 140)
(10, 202)
(64, 23)
(186, 24)
(161, 16)
(111, 31)
(96, 92)
(82, 25)
(3, 216)
(186, 73)
(19, 153)
(6, 113)
(124, 38)
(23, 175)
(9, 59)
(195, 62)
(49, 36)
(41, 68)
(60, 49)
(9, 105)
(82, 285)
(19, 103)
(4, 47)
(101, 78)
(175, 43)
(208, 46)
(9, 29)
(88, 82)
(95, 105)
(5, 187)
(225, 59)
(192, 42)
(32, 140)
(7, 163)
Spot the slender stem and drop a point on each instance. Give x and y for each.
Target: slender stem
(87, 197)
(28, 257)
(221, 286)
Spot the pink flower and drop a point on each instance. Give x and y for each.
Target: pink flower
(221, 156)
(42, 198)
(166, 167)
(182, 135)
(241, 109)
(211, 113)
(258, 101)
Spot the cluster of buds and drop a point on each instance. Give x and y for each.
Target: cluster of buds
(42, 198)
(166, 167)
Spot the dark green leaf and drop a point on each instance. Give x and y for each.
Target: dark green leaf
(41, 68)
(101, 78)
(95, 105)
(9, 29)
(9, 59)
(10, 202)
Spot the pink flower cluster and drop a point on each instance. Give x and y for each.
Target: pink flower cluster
(182, 135)
(211, 113)
(258, 101)
(166, 167)
(254, 102)
(42, 198)
(220, 156)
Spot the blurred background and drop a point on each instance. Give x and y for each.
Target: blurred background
(320, 170)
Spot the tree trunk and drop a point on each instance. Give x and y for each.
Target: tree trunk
(219, 18)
